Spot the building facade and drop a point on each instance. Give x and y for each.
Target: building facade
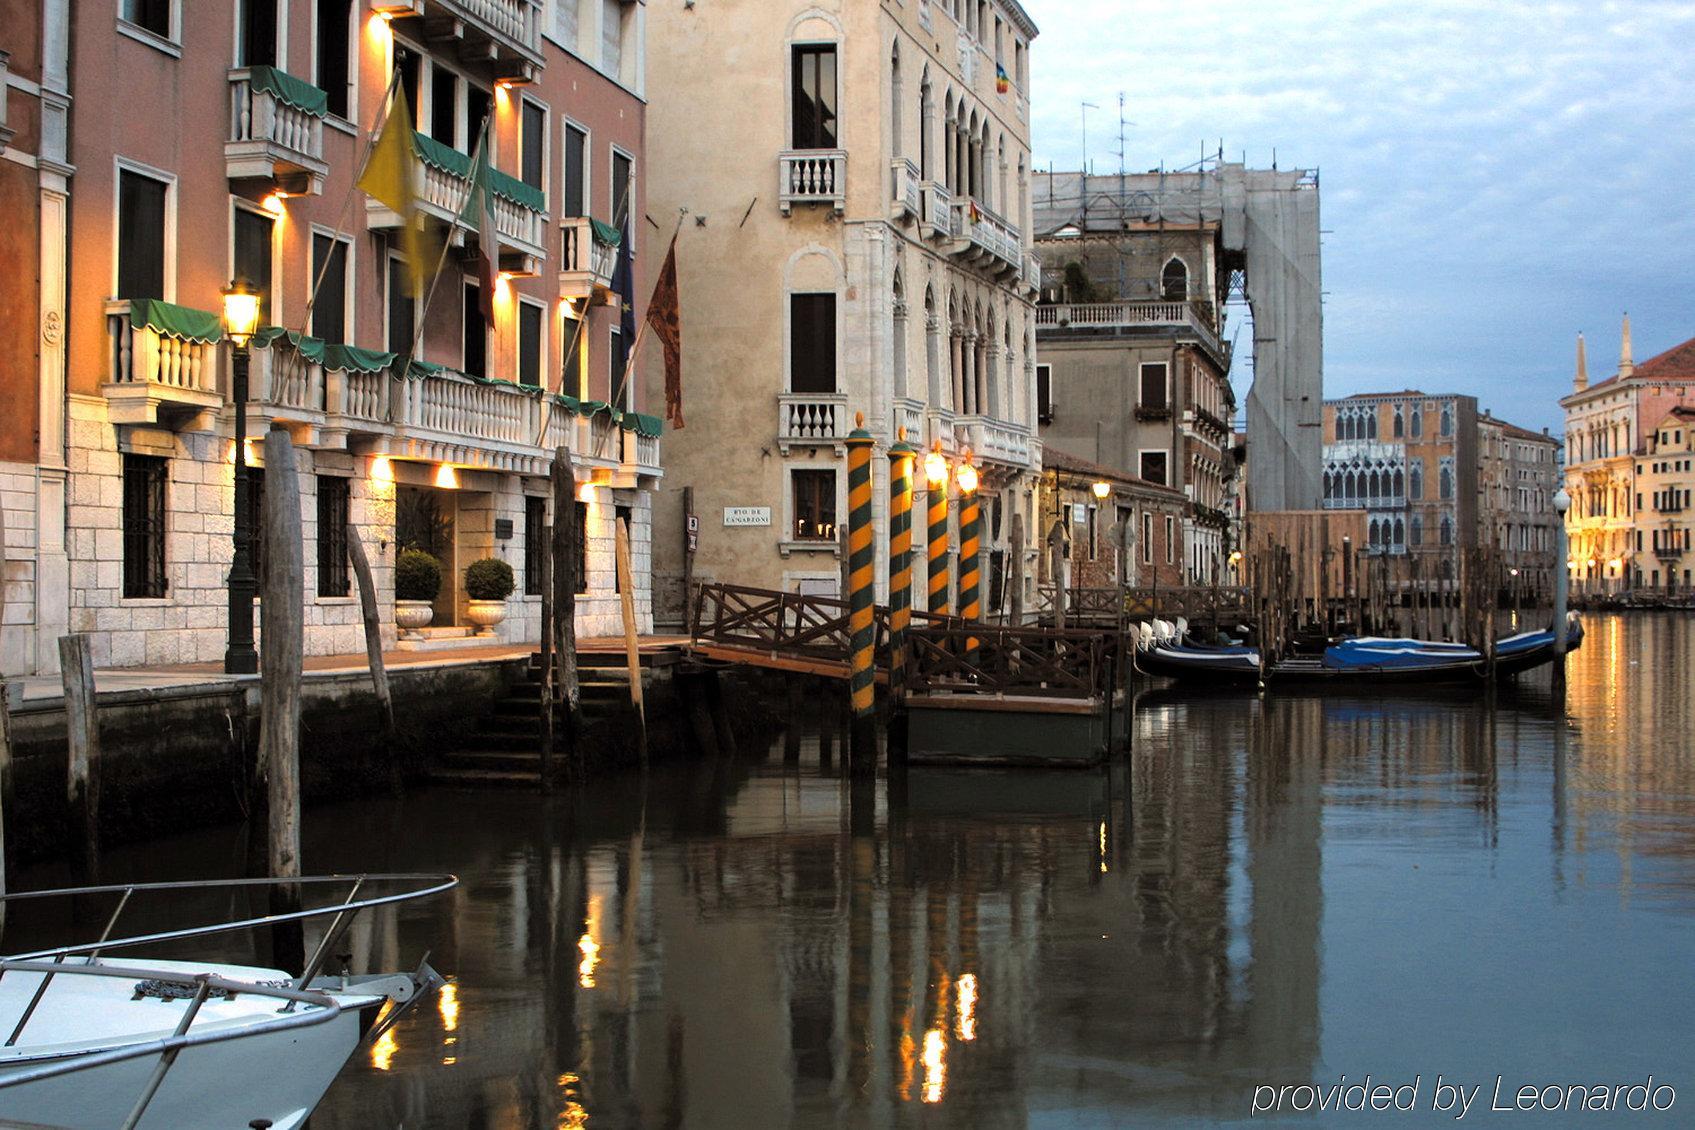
(411, 417)
(1518, 472)
(1608, 425)
(887, 276)
(1129, 534)
(1132, 370)
(1665, 496)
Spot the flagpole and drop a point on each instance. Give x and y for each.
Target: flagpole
(641, 335)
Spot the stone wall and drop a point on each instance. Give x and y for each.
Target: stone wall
(17, 581)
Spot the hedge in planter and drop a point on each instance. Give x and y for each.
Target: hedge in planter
(489, 579)
(417, 576)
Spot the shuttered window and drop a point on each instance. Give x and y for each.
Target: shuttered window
(144, 526)
(333, 496)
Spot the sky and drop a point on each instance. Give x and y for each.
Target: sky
(1495, 176)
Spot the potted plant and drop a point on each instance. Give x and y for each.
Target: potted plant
(417, 580)
(487, 585)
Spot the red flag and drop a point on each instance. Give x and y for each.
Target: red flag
(665, 316)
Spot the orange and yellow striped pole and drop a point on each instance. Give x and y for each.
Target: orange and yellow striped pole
(902, 456)
(861, 621)
(936, 476)
(970, 547)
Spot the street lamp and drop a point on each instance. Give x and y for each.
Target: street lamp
(1102, 488)
(936, 467)
(966, 476)
(241, 318)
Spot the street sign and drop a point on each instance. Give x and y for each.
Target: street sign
(694, 541)
(694, 523)
(747, 515)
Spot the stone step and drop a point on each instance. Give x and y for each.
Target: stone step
(495, 760)
(485, 778)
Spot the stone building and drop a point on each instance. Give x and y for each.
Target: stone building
(853, 190)
(1665, 494)
(1606, 435)
(1132, 370)
(1518, 473)
(1130, 533)
(226, 139)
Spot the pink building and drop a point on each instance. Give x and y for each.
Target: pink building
(224, 139)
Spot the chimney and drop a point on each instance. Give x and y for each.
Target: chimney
(1581, 381)
(1625, 365)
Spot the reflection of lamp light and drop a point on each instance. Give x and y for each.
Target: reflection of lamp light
(1102, 489)
(936, 466)
(966, 476)
(446, 477)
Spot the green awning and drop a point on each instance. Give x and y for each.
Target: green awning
(570, 403)
(605, 234)
(182, 322)
(450, 160)
(352, 359)
(297, 92)
(641, 423)
(592, 407)
(420, 370)
(309, 347)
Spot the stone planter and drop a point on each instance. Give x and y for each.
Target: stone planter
(485, 614)
(410, 615)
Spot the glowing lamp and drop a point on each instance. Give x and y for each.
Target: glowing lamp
(967, 476)
(446, 477)
(1102, 489)
(241, 312)
(936, 466)
(273, 203)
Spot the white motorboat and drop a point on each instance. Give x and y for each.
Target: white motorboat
(94, 1041)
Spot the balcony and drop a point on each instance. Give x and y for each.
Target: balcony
(994, 440)
(812, 418)
(1120, 316)
(638, 450)
(1032, 274)
(588, 254)
(909, 414)
(520, 211)
(983, 237)
(906, 197)
(504, 35)
(812, 176)
(162, 362)
(938, 211)
(276, 131)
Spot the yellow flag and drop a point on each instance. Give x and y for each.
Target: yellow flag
(391, 177)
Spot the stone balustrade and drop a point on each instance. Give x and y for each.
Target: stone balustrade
(149, 370)
(905, 192)
(812, 176)
(812, 418)
(272, 138)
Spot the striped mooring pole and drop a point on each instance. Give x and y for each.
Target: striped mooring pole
(861, 621)
(902, 460)
(970, 546)
(936, 476)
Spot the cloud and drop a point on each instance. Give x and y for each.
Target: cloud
(1495, 178)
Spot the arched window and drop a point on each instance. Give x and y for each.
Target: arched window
(1174, 281)
(1417, 478)
(1400, 532)
(1400, 424)
(1371, 424)
(1417, 422)
(926, 107)
(1447, 531)
(1329, 485)
(895, 106)
(897, 311)
(1447, 481)
(1447, 421)
(1400, 488)
(1417, 531)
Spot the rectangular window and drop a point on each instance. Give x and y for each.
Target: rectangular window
(623, 172)
(1094, 534)
(258, 33)
(535, 543)
(532, 144)
(615, 367)
(154, 15)
(1153, 468)
(812, 343)
(334, 33)
(256, 521)
(409, 65)
(573, 347)
(576, 172)
(1126, 516)
(1044, 394)
(582, 512)
(1170, 540)
(1147, 538)
(815, 505)
(479, 104)
(611, 36)
(329, 275)
(444, 107)
(333, 496)
(141, 236)
(400, 318)
(529, 343)
(621, 517)
(252, 256)
(1153, 386)
(474, 332)
(144, 526)
(814, 98)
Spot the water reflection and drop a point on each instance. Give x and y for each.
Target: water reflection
(1272, 891)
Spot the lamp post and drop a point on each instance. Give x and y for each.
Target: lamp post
(241, 317)
(1562, 582)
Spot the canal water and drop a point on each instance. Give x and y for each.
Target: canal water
(1262, 895)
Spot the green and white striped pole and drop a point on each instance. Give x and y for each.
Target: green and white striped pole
(861, 622)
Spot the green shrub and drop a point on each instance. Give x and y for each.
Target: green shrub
(489, 579)
(417, 576)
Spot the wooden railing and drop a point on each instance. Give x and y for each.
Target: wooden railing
(981, 659)
(792, 625)
(812, 176)
(1191, 601)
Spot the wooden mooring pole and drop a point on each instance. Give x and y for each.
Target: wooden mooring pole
(632, 649)
(373, 632)
(564, 548)
(548, 667)
(5, 786)
(82, 732)
(1015, 574)
(281, 658)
